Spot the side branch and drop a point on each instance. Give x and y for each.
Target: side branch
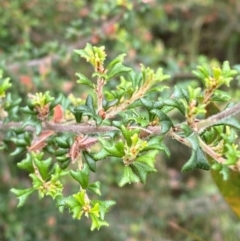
(74, 128)
(79, 128)
(204, 124)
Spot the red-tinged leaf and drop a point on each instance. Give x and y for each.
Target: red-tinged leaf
(40, 142)
(26, 80)
(58, 114)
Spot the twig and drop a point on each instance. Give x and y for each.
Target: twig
(99, 90)
(204, 124)
(74, 128)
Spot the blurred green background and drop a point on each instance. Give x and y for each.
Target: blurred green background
(37, 39)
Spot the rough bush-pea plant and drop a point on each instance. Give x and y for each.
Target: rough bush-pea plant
(65, 138)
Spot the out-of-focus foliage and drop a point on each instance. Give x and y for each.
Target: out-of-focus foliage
(175, 35)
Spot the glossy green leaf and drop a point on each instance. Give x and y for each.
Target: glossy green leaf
(97, 223)
(112, 149)
(221, 96)
(27, 110)
(81, 176)
(118, 59)
(61, 152)
(84, 80)
(128, 176)
(164, 120)
(116, 70)
(101, 154)
(95, 187)
(197, 160)
(63, 158)
(191, 164)
(62, 142)
(175, 103)
(156, 143)
(104, 206)
(26, 164)
(22, 194)
(128, 133)
(65, 164)
(90, 161)
(142, 169)
(17, 151)
(43, 166)
(89, 103)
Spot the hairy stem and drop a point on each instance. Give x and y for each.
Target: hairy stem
(99, 90)
(114, 110)
(204, 124)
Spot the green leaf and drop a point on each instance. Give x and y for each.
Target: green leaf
(191, 164)
(193, 139)
(61, 152)
(64, 165)
(62, 142)
(92, 54)
(165, 121)
(56, 101)
(81, 176)
(43, 166)
(141, 169)
(104, 207)
(112, 149)
(175, 103)
(156, 143)
(116, 70)
(181, 93)
(221, 96)
(128, 176)
(90, 161)
(63, 158)
(75, 207)
(84, 80)
(197, 160)
(95, 187)
(97, 223)
(101, 154)
(20, 142)
(22, 194)
(118, 59)
(36, 181)
(202, 162)
(4, 85)
(29, 111)
(26, 164)
(128, 133)
(17, 151)
(147, 103)
(231, 121)
(35, 123)
(89, 103)
(149, 158)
